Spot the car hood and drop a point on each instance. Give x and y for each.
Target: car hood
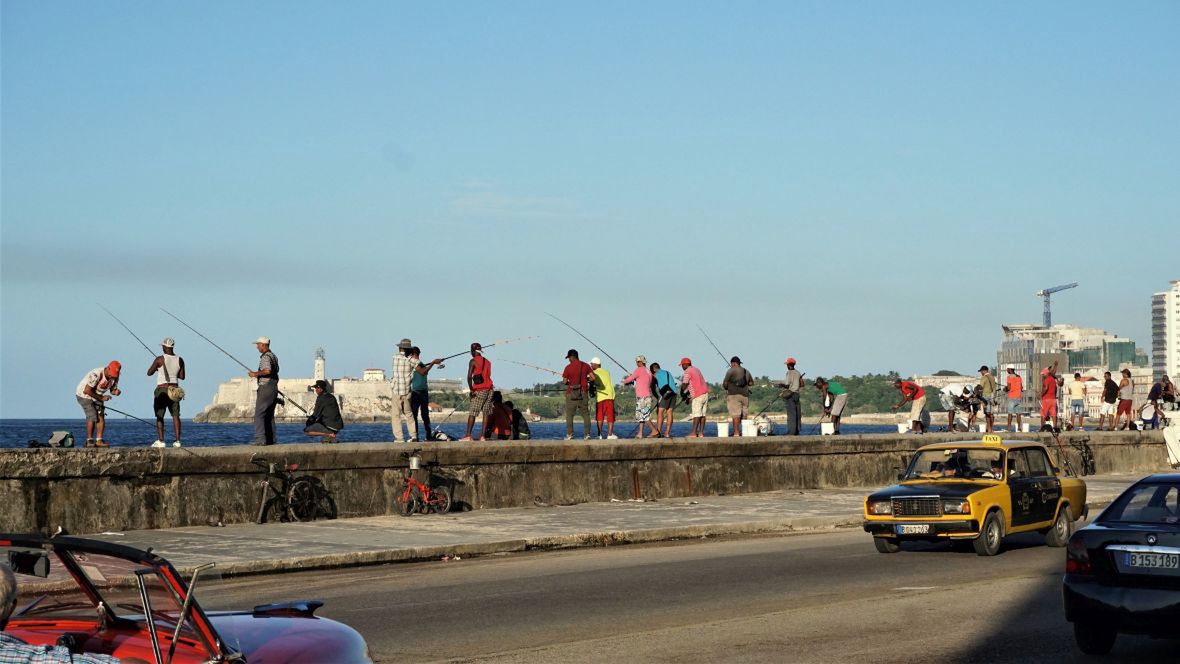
(944, 489)
(289, 639)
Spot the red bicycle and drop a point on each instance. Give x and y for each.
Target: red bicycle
(416, 497)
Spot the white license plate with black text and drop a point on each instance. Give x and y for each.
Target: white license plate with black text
(914, 529)
(1152, 560)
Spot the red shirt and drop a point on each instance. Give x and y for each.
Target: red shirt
(576, 374)
(1049, 389)
(912, 390)
(483, 369)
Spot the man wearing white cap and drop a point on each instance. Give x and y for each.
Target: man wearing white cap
(169, 371)
(268, 393)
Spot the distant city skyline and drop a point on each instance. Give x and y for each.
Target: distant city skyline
(865, 187)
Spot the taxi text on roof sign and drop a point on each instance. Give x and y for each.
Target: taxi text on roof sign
(992, 439)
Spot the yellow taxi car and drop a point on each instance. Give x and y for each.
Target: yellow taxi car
(979, 492)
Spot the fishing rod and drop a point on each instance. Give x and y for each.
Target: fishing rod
(722, 355)
(781, 394)
(141, 343)
(532, 366)
(501, 342)
(150, 424)
(588, 341)
(194, 330)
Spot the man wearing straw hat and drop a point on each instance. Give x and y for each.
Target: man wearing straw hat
(401, 408)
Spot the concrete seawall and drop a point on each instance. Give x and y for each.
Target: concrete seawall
(94, 490)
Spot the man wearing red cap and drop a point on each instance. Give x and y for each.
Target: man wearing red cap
(698, 391)
(792, 386)
(92, 394)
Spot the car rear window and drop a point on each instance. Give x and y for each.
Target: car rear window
(1154, 502)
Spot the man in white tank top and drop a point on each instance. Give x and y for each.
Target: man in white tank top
(169, 371)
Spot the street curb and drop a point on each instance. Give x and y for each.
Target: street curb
(552, 543)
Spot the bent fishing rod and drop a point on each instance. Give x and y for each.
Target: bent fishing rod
(588, 341)
(224, 351)
(116, 410)
(141, 343)
(501, 342)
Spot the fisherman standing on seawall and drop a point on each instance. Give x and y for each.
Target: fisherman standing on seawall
(479, 382)
(576, 377)
(1015, 391)
(644, 402)
(987, 389)
(420, 392)
(913, 392)
(267, 396)
(835, 398)
(604, 399)
(792, 387)
(665, 393)
(92, 394)
(169, 368)
(1048, 396)
(737, 384)
(698, 391)
(400, 407)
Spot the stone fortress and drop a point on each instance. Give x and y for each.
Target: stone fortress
(361, 400)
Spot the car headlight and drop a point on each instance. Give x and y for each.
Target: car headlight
(881, 507)
(956, 507)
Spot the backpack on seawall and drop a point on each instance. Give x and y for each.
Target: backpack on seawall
(61, 439)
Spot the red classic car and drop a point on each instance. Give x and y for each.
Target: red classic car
(95, 597)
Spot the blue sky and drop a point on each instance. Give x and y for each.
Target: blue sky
(866, 186)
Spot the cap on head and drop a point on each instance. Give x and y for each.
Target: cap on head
(404, 344)
(114, 368)
(639, 359)
(415, 351)
(735, 360)
(983, 368)
(474, 345)
(790, 360)
(1045, 371)
(684, 361)
(321, 384)
(262, 340)
(595, 361)
(571, 353)
(1011, 367)
(168, 342)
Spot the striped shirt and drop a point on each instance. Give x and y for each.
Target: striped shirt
(268, 360)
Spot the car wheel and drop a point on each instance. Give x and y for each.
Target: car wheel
(1062, 528)
(440, 500)
(406, 502)
(887, 544)
(990, 535)
(1093, 637)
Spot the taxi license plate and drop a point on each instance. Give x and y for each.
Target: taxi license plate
(1153, 560)
(918, 529)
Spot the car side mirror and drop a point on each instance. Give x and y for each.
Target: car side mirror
(30, 561)
(897, 471)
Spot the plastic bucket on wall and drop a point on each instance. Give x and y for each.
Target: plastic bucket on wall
(415, 462)
(827, 429)
(723, 429)
(749, 428)
(902, 428)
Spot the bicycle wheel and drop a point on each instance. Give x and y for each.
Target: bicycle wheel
(407, 502)
(440, 500)
(273, 511)
(301, 499)
(325, 504)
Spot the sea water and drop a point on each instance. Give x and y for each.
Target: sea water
(124, 432)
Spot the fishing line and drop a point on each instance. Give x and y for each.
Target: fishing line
(719, 353)
(532, 366)
(501, 342)
(150, 424)
(194, 330)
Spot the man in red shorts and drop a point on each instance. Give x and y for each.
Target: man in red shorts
(604, 394)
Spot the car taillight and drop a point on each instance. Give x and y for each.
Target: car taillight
(1077, 558)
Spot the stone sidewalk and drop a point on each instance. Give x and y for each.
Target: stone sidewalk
(257, 549)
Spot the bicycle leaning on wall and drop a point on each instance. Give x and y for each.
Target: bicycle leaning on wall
(286, 497)
(416, 497)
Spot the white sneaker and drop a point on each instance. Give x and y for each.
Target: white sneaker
(176, 443)
(159, 443)
(569, 437)
(612, 437)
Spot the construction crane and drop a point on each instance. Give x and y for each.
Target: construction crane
(1045, 293)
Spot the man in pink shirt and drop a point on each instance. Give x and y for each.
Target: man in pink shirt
(698, 391)
(643, 396)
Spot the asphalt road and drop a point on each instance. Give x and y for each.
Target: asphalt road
(808, 598)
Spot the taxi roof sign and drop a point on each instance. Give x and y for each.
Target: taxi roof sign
(992, 439)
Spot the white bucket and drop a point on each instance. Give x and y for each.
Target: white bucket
(1026, 427)
(983, 428)
(827, 429)
(415, 463)
(749, 428)
(902, 428)
(723, 429)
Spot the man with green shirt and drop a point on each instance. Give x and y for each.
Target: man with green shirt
(835, 398)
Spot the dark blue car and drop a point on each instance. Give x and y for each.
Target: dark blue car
(1122, 572)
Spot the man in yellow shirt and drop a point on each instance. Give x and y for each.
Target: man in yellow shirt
(604, 394)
